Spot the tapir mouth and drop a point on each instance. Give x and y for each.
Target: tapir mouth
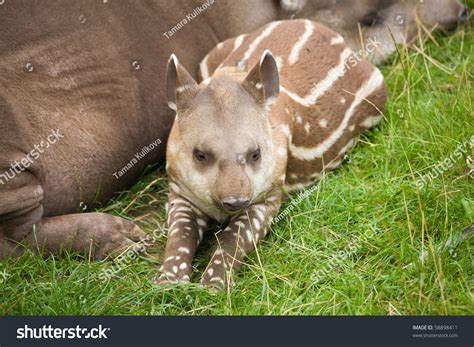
(233, 206)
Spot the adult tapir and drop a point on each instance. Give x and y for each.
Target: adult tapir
(82, 104)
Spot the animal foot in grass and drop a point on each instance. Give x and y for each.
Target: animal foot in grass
(213, 283)
(115, 236)
(167, 278)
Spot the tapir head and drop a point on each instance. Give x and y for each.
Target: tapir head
(220, 149)
(385, 21)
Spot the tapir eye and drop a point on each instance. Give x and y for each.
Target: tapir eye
(256, 155)
(199, 155)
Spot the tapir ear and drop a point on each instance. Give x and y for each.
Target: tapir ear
(180, 85)
(263, 81)
(292, 5)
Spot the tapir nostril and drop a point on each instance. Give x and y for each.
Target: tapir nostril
(234, 204)
(463, 14)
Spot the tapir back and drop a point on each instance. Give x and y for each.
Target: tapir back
(328, 94)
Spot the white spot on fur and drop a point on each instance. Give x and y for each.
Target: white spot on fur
(201, 222)
(240, 224)
(337, 40)
(174, 269)
(184, 209)
(259, 214)
(295, 51)
(179, 220)
(281, 151)
(371, 84)
(183, 266)
(171, 232)
(179, 201)
(285, 129)
(171, 148)
(343, 101)
(249, 235)
(315, 175)
(217, 279)
(352, 127)
(182, 214)
(307, 128)
(296, 186)
(210, 271)
(369, 122)
(256, 223)
(323, 123)
(217, 261)
(184, 250)
(201, 234)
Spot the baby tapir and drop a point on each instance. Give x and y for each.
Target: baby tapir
(262, 122)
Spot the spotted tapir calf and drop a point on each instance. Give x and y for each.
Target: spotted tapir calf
(262, 122)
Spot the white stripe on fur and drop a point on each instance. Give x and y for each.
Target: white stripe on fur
(323, 86)
(295, 51)
(253, 46)
(375, 81)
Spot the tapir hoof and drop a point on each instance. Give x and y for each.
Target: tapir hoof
(166, 278)
(213, 284)
(127, 237)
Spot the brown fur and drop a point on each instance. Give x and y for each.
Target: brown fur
(238, 110)
(72, 68)
(83, 82)
(361, 20)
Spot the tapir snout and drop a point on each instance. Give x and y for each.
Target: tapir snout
(233, 187)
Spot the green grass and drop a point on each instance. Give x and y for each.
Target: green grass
(429, 114)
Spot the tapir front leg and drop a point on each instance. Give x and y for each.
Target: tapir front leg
(186, 225)
(238, 239)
